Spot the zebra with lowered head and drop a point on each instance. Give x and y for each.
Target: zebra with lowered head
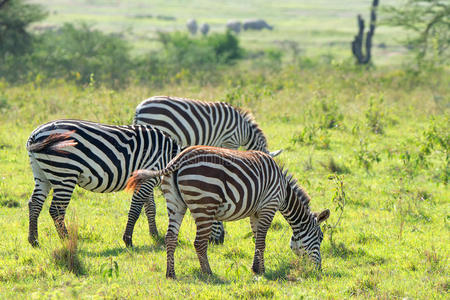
(194, 122)
(99, 158)
(227, 185)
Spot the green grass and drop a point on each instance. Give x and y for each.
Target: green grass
(319, 27)
(393, 240)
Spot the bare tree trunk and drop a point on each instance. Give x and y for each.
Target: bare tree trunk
(357, 44)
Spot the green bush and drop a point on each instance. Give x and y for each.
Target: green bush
(183, 56)
(77, 52)
(15, 17)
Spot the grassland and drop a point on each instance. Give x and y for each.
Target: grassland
(383, 130)
(319, 27)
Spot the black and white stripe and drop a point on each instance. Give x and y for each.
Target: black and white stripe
(99, 158)
(193, 122)
(226, 185)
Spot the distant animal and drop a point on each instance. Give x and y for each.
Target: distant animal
(204, 29)
(256, 24)
(192, 26)
(227, 185)
(193, 122)
(234, 25)
(99, 158)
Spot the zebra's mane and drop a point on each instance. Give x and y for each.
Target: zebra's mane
(248, 116)
(298, 190)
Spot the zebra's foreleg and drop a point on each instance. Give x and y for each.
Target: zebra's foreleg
(264, 221)
(217, 233)
(60, 201)
(37, 199)
(140, 196)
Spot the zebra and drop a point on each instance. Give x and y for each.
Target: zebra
(98, 158)
(194, 122)
(227, 185)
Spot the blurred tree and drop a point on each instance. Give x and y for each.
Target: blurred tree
(15, 16)
(429, 23)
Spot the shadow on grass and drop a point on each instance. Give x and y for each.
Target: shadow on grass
(281, 271)
(210, 279)
(120, 250)
(342, 251)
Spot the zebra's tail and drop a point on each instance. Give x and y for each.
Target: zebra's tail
(140, 176)
(55, 142)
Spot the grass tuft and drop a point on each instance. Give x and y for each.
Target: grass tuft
(68, 256)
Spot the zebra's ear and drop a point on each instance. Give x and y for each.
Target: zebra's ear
(323, 216)
(275, 153)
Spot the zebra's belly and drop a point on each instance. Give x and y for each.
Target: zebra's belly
(230, 212)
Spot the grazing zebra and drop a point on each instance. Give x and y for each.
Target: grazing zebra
(99, 158)
(221, 184)
(193, 122)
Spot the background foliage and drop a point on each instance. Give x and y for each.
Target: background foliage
(381, 133)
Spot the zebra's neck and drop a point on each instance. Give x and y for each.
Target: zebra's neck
(295, 208)
(252, 137)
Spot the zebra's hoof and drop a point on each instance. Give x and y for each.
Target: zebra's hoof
(128, 241)
(258, 270)
(171, 275)
(33, 242)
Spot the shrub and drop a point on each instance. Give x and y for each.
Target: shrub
(15, 17)
(187, 58)
(16, 43)
(76, 52)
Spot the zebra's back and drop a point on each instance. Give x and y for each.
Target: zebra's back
(190, 122)
(236, 183)
(103, 157)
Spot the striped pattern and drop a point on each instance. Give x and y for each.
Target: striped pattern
(100, 158)
(221, 184)
(193, 122)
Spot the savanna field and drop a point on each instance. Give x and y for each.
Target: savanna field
(371, 144)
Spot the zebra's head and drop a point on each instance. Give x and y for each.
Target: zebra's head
(309, 239)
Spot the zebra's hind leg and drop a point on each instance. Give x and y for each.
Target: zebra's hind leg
(217, 233)
(37, 199)
(204, 224)
(264, 220)
(254, 225)
(61, 198)
(150, 211)
(141, 196)
(176, 214)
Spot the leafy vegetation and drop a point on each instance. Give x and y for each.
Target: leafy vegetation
(429, 21)
(382, 132)
(392, 239)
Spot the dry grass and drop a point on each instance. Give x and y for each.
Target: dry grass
(67, 256)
